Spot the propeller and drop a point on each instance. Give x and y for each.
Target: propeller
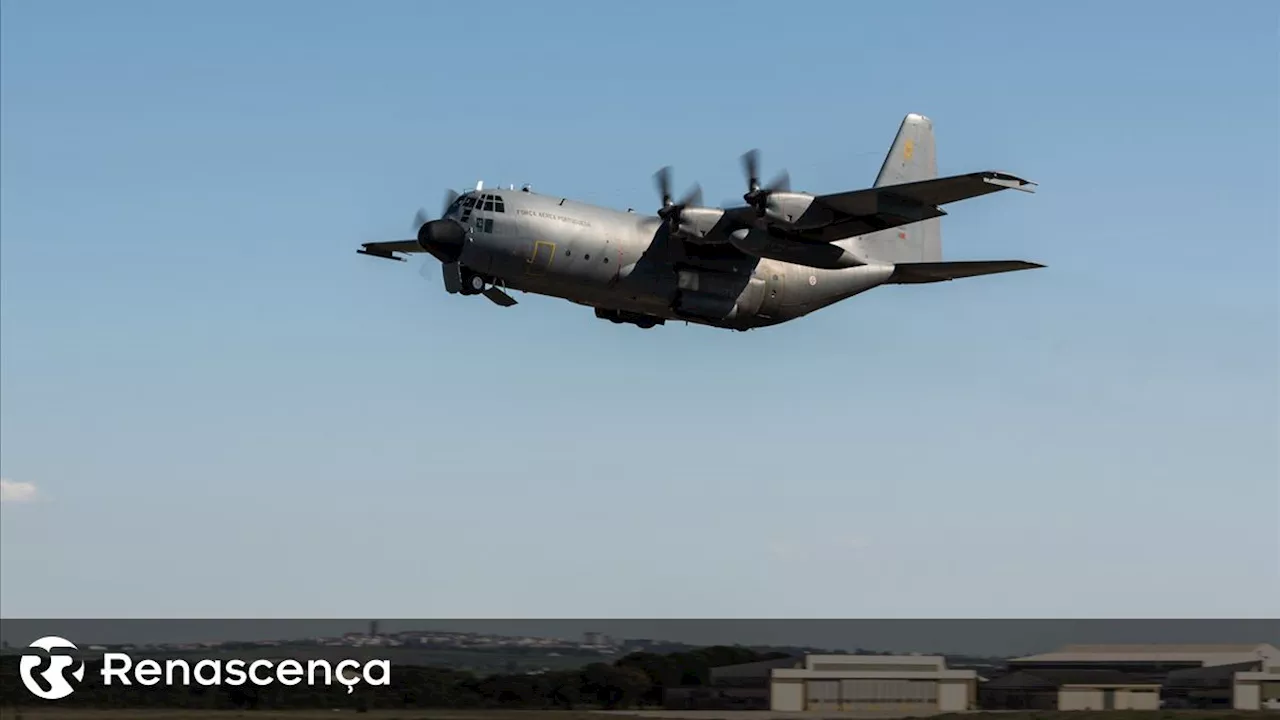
(420, 217)
(670, 210)
(442, 237)
(757, 195)
(450, 196)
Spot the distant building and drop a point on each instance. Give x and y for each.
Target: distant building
(1140, 677)
(907, 684)
(1071, 689)
(730, 687)
(1157, 659)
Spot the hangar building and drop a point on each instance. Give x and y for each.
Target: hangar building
(730, 687)
(908, 684)
(1140, 677)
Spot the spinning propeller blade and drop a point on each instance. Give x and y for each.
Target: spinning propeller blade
(670, 209)
(756, 195)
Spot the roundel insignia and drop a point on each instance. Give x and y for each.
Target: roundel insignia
(813, 280)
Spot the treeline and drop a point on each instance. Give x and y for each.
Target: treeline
(634, 680)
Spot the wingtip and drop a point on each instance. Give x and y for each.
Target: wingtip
(1008, 180)
(371, 250)
(917, 119)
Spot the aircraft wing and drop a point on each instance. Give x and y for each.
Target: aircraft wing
(858, 212)
(388, 250)
(924, 193)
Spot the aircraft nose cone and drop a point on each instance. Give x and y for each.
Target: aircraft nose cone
(442, 238)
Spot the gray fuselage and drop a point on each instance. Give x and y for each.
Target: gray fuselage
(622, 261)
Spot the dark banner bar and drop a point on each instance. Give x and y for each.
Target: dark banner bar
(594, 664)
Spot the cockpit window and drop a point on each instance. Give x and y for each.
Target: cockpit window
(481, 203)
(486, 203)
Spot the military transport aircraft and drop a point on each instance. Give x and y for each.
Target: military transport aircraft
(780, 256)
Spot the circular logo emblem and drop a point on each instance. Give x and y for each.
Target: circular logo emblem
(813, 280)
(49, 676)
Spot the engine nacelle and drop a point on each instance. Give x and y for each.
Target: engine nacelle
(760, 243)
(697, 223)
(796, 211)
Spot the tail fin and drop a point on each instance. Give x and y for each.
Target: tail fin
(912, 157)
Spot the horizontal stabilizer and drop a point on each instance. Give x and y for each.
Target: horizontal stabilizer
(929, 272)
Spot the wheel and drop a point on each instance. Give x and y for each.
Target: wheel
(472, 284)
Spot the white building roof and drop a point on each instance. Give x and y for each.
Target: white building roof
(1222, 654)
(816, 662)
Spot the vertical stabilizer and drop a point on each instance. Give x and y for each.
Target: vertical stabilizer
(912, 157)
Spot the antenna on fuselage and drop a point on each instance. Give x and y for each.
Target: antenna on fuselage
(479, 185)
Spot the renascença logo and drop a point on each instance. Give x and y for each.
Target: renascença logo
(55, 676)
(120, 667)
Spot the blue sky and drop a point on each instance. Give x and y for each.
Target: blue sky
(224, 411)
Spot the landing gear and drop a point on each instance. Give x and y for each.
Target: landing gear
(472, 283)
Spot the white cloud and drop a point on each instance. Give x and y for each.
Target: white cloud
(12, 491)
